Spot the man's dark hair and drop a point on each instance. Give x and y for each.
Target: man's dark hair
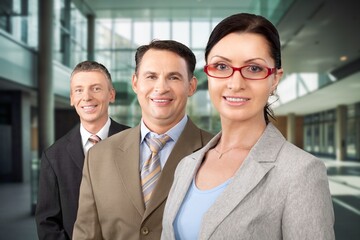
(168, 45)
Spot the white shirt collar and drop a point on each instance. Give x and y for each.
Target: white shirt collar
(174, 133)
(102, 133)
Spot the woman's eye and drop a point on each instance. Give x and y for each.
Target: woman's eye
(255, 68)
(221, 67)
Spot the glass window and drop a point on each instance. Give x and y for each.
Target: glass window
(330, 138)
(78, 37)
(353, 133)
(161, 30)
(351, 139)
(181, 31)
(308, 138)
(122, 28)
(200, 32)
(142, 33)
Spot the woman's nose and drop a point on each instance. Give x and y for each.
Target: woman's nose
(236, 81)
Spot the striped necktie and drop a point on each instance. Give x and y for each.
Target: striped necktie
(151, 169)
(94, 139)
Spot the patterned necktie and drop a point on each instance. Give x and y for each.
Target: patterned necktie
(151, 169)
(94, 139)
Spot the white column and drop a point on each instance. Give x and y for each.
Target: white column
(291, 128)
(340, 129)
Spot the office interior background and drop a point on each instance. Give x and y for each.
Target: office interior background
(42, 40)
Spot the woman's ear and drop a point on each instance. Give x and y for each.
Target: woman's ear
(277, 76)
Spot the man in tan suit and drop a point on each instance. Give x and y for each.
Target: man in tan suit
(111, 204)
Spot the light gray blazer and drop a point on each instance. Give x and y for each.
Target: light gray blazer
(279, 192)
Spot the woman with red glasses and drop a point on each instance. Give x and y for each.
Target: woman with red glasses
(248, 182)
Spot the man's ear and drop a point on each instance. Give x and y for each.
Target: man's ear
(134, 82)
(71, 101)
(112, 95)
(192, 86)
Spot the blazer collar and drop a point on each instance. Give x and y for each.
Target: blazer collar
(260, 160)
(74, 143)
(189, 141)
(74, 147)
(128, 151)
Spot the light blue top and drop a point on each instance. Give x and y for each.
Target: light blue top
(188, 220)
(174, 133)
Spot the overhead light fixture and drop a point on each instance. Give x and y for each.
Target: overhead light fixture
(343, 58)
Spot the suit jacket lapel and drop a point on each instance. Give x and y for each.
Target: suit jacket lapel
(259, 162)
(128, 165)
(74, 147)
(187, 174)
(188, 142)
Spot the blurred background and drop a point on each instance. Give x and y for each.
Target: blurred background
(42, 40)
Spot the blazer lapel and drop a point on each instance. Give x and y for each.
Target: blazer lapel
(128, 165)
(189, 141)
(74, 147)
(188, 172)
(259, 162)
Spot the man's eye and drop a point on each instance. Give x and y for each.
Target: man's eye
(78, 90)
(96, 89)
(151, 77)
(174, 78)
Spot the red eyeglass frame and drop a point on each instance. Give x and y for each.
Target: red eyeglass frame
(270, 71)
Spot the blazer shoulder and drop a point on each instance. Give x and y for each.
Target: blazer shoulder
(292, 151)
(207, 136)
(116, 127)
(295, 162)
(71, 136)
(192, 128)
(121, 138)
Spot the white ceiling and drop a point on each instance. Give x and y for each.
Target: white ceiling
(205, 8)
(314, 33)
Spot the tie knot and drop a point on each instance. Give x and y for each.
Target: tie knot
(156, 144)
(94, 139)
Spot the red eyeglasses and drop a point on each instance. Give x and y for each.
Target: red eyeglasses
(250, 72)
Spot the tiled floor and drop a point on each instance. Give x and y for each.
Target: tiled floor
(344, 182)
(16, 222)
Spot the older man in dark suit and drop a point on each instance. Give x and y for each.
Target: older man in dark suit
(91, 92)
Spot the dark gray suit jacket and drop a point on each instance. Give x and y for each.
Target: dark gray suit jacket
(279, 192)
(59, 184)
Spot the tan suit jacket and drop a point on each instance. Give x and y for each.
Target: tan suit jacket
(111, 204)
